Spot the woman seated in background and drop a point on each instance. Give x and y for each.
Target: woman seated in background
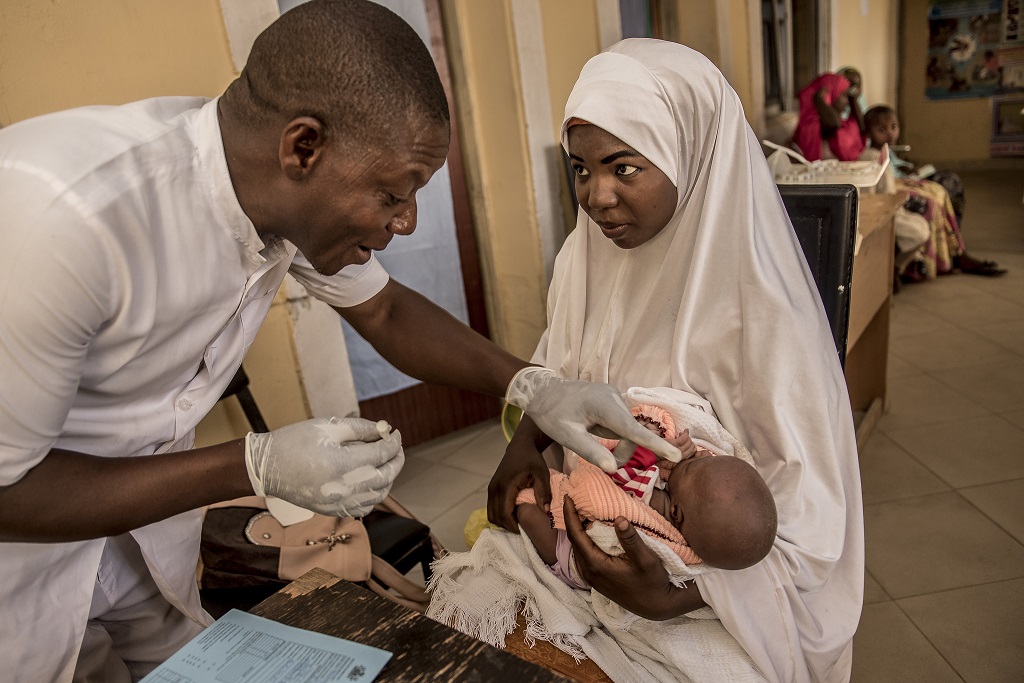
(831, 123)
(939, 199)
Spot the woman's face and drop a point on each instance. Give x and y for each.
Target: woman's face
(629, 198)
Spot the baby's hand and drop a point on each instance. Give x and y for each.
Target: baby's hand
(686, 448)
(684, 443)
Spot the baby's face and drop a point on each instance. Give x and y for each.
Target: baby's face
(683, 489)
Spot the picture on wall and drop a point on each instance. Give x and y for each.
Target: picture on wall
(964, 39)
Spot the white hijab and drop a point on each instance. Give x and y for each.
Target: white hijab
(721, 304)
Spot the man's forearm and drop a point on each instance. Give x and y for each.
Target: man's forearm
(71, 496)
(423, 340)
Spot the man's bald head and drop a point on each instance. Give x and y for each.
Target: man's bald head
(353, 65)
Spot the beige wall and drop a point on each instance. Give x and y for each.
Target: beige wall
(567, 51)
(698, 27)
(57, 54)
(720, 30)
(928, 125)
(868, 42)
(485, 68)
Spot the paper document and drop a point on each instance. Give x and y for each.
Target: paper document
(242, 648)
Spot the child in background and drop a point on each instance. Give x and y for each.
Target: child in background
(831, 119)
(940, 199)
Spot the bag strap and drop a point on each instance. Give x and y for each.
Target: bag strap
(388, 582)
(258, 502)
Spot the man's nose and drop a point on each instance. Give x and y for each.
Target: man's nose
(405, 222)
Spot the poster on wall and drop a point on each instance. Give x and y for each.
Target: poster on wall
(964, 41)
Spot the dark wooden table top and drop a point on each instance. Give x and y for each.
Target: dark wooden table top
(424, 650)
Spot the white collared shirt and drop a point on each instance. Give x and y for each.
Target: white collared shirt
(131, 286)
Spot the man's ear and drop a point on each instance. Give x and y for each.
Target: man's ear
(302, 145)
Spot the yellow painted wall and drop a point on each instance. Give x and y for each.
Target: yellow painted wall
(868, 42)
(929, 125)
(698, 27)
(57, 54)
(739, 71)
(481, 47)
(567, 51)
(699, 22)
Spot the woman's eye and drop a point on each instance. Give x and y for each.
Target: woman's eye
(580, 171)
(626, 169)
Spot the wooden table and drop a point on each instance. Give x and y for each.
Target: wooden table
(424, 650)
(870, 302)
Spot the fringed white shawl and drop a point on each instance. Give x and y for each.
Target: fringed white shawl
(481, 592)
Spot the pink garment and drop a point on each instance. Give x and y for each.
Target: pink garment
(600, 499)
(638, 476)
(847, 143)
(565, 564)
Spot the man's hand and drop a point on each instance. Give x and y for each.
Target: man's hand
(568, 410)
(332, 466)
(636, 579)
(521, 467)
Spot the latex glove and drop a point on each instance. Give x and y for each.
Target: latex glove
(568, 410)
(332, 466)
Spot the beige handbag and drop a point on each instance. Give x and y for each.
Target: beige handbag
(244, 546)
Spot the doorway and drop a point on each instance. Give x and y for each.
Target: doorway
(426, 411)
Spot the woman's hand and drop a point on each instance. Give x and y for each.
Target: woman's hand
(636, 580)
(521, 467)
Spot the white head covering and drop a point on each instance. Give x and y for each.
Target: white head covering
(721, 303)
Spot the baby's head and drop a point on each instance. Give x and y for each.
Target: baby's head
(724, 510)
(883, 125)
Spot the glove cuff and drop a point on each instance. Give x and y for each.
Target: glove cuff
(524, 383)
(250, 465)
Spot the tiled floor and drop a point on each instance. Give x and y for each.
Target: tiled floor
(943, 473)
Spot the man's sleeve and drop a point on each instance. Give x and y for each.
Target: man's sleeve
(351, 286)
(55, 292)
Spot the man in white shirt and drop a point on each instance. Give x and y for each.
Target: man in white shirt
(143, 245)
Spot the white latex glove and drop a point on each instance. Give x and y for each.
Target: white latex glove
(568, 410)
(332, 466)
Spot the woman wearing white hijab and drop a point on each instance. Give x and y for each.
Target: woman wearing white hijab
(720, 303)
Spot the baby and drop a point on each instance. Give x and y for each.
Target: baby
(714, 514)
(708, 508)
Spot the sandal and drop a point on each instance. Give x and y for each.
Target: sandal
(913, 273)
(974, 267)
